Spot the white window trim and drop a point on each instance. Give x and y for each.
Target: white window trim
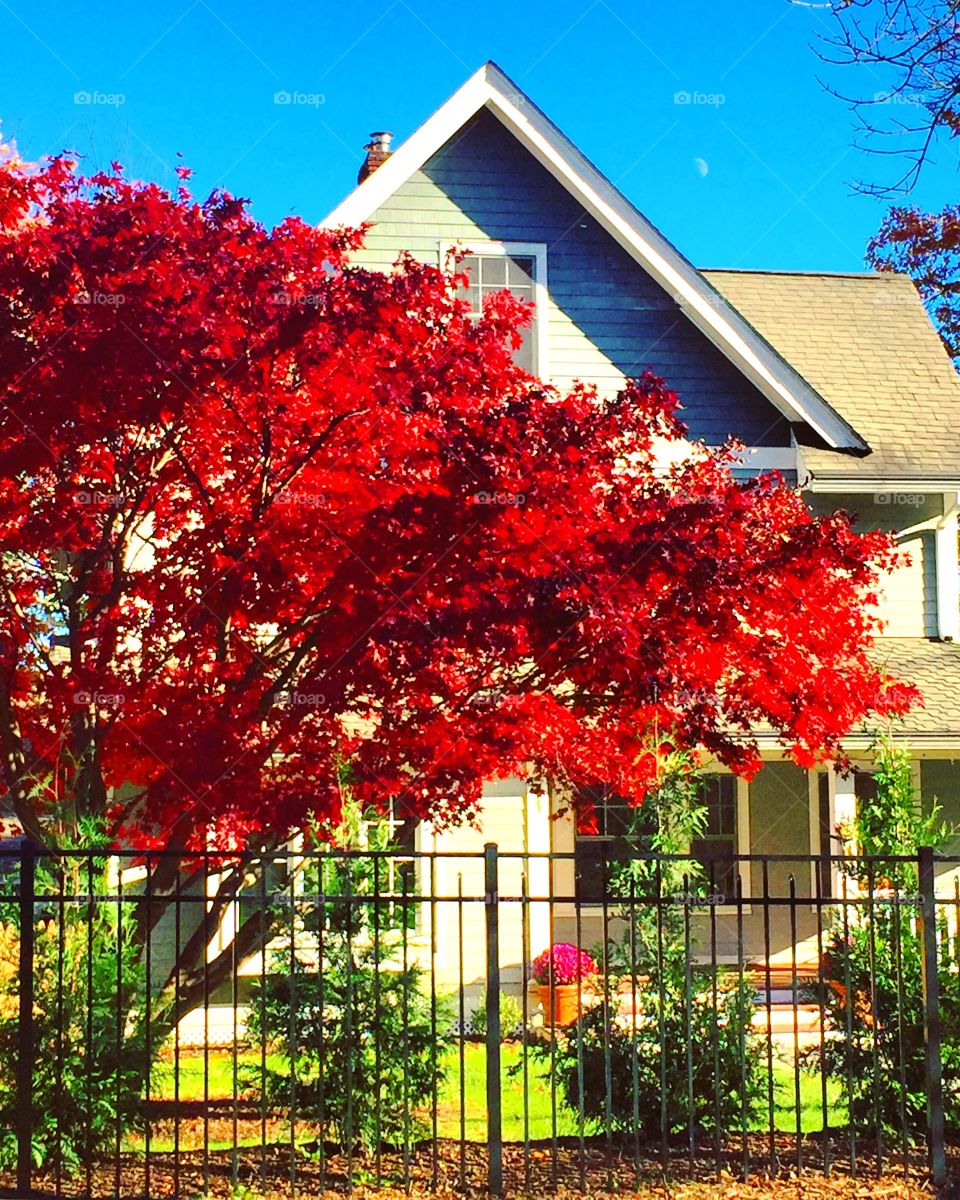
(744, 869)
(538, 252)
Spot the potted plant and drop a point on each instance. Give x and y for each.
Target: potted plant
(560, 974)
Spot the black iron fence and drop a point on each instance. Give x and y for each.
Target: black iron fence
(191, 1024)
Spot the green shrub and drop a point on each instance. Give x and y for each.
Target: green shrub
(90, 1057)
(690, 1060)
(355, 1045)
(359, 1045)
(511, 1018)
(874, 992)
(877, 1050)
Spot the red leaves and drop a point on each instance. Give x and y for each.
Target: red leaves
(288, 518)
(925, 246)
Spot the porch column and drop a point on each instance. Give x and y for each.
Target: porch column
(844, 814)
(538, 869)
(948, 579)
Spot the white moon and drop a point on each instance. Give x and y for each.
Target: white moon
(701, 167)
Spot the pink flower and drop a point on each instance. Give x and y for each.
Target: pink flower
(563, 963)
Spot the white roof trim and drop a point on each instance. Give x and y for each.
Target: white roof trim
(871, 484)
(712, 314)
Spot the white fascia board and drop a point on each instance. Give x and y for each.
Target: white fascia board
(920, 744)
(368, 196)
(883, 484)
(768, 458)
(709, 311)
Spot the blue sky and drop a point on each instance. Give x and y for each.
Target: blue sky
(758, 174)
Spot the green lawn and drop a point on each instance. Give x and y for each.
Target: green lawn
(538, 1121)
(219, 1084)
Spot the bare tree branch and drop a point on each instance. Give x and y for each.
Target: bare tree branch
(907, 95)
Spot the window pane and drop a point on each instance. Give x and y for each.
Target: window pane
(520, 271)
(620, 819)
(523, 355)
(720, 871)
(590, 812)
(492, 273)
(470, 266)
(471, 293)
(596, 861)
(494, 268)
(720, 797)
(865, 786)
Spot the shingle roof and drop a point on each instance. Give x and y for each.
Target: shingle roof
(935, 668)
(866, 344)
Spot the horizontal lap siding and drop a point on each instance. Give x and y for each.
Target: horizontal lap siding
(504, 820)
(908, 595)
(607, 318)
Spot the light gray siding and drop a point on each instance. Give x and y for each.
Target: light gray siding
(908, 595)
(607, 318)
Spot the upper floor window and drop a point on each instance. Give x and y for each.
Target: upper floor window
(518, 268)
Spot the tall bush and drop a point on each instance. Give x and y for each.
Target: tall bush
(674, 1039)
(90, 1057)
(873, 965)
(356, 1041)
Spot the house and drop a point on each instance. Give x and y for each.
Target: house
(839, 381)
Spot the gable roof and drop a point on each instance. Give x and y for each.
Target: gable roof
(866, 344)
(773, 376)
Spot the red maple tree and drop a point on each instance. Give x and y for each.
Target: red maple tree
(925, 246)
(270, 521)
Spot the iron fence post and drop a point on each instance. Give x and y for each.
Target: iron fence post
(494, 1113)
(25, 1030)
(931, 1017)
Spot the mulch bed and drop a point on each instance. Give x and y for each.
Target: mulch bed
(449, 1170)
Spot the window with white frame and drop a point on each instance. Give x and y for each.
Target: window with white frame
(520, 269)
(718, 844)
(610, 831)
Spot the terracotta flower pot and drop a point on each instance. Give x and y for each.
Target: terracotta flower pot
(560, 1003)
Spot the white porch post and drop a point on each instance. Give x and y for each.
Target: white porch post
(948, 571)
(844, 807)
(844, 803)
(538, 869)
